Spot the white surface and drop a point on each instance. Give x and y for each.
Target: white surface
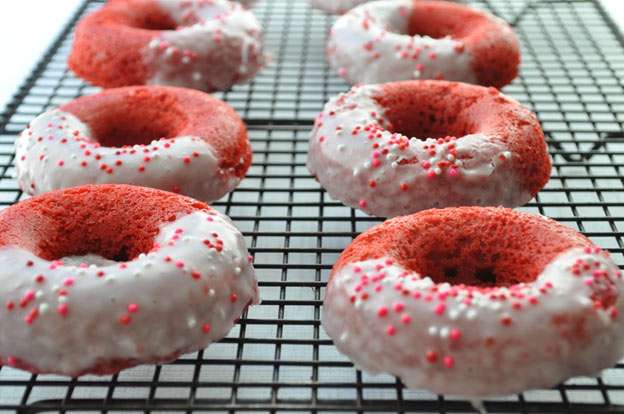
(46, 18)
(27, 28)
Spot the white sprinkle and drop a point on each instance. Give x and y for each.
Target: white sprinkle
(43, 308)
(471, 314)
(344, 336)
(191, 322)
(433, 331)
(38, 294)
(444, 332)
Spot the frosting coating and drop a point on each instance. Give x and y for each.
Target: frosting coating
(371, 44)
(217, 44)
(385, 41)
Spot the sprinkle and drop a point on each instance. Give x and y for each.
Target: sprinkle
(233, 297)
(125, 319)
(439, 309)
(455, 334)
(206, 328)
(382, 311)
(391, 330)
(431, 357)
(449, 361)
(133, 307)
(398, 307)
(62, 309)
(406, 319)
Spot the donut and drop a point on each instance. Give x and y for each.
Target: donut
(402, 147)
(475, 302)
(175, 139)
(336, 6)
(100, 278)
(202, 44)
(385, 41)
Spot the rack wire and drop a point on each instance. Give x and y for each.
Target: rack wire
(278, 358)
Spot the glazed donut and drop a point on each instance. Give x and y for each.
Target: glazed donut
(476, 301)
(336, 6)
(386, 41)
(402, 147)
(201, 44)
(99, 278)
(174, 139)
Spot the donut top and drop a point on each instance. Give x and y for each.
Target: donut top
(468, 245)
(416, 39)
(127, 274)
(172, 42)
(138, 115)
(454, 110)
(497, 44)
(66, 223)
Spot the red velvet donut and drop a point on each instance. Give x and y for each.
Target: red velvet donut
(384, 41)
(206, 45)
(174, 139)
(476, 302)
(99, 278)
(402, 147)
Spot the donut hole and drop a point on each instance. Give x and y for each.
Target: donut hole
(85, 224)
(131, 128)
(435, 22)
(474, 246)
(144, 115)
(417, 113)
(147, 16)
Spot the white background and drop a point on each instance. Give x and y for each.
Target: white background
(27, 28)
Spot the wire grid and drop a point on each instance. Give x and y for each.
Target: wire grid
(278, 358)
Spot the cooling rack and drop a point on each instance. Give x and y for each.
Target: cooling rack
(278, 359)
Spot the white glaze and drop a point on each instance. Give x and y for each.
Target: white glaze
(217, 44)
(370, 44)
(198, 176)
(528, 352)
(336, 6)
(172, 306)
(342, 161)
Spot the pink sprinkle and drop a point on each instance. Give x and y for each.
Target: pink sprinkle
(382, 311)
(206, 328)
(439, 308)
(406, 319)
(362, 203)
(449, 361)
(69, 281)
(233, 297)
(342, 71)
(133, 307)
(62, 309)
(398, 307)
(179, 264)
(391, 330)
(455, 334)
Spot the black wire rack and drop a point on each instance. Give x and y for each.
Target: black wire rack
(278, 358)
